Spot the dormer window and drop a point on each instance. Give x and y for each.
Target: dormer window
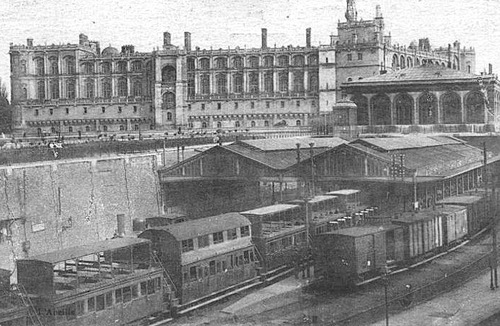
(187, 245)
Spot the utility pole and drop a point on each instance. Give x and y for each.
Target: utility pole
(312, 169)
(298, 170)
(492, 210)
(385, 280)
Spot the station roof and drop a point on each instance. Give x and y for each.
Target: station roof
(88, 249)
(270, 209)
(344, 192)
(407, 142)
(283, 144)
(208, 225)
(360, 231)
(459, 200)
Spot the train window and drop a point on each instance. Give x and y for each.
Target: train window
(246, 256)
(285, 242)
(231, 263)
(224, 266)
(241, 259)
(206, 271)
(236, 261)
(70, 311)
(218, 237)
(232, 234)
(219, 267)
(118, 296)
(127, 294)
(151, 287)
(192, 273)
(187, 245)
(143, 288)
(79, 308)
(135, 291)
(91, 304)
(273, 246)
(99, 302)
(200, 273)
(203, 241)
(158, 283)
(109, 299)
(251, 256)
(245, 231)
(212, 267)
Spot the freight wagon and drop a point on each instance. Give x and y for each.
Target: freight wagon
(347, 257)
(455, 223)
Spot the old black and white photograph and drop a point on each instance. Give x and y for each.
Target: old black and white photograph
(216, 162)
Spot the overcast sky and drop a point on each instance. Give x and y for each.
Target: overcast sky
(219, 24)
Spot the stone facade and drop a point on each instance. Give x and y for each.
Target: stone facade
(79, 89)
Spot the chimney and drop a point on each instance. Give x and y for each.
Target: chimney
(83, 39)
(449, 55)
(490, 69)
(264, 38)
(166, 39)
(187, 41)
(29, 42)
(308, 37)
(378, 12)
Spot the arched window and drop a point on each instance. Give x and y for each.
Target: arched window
(54, 67)
(53, 130)
(41, 90)
(427, 112)
(136, 127)
(168, 101)
(221, 83)
(283, 81)
(237, 62)
(268, 82)
(253, 82)
(136, 66)
(88, 68)
(137, 87)
(283, 61)
(451, 108)
(89, 88)
(122, 127)
(70, 88)
(474, 106)
(205, 84)
(362, 111)
(104, 128)
(252, 124)
(237, 124)
(221, 63)
(409, 62)
(298, 81)
(312, 60)
(313, 81)
(122, 87)
(395, 61)
(25, 93)
(106, 88)
(70, 129)
(70, 65)
(417, 62)
(381, 109)
(168, 74)
(23, 66)
(266, 123)
(169, 116)
(39, 66)
(106, 67)
(203, 124)
(402, 62)
(54, 89)
(298, 60)
(298, 123)
(122, 67)
(268, 61)
(219, 124)
(191, 65)
(404, 109)
(253, 62)
(87, 128)
(204, 64)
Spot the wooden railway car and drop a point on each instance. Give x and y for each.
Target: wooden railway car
(207, 255)
(94, 284)
(454, 223)
(478, 210)
(140, 225)
(279, 234)
(349, 256)
(349, 199)
(423, 232)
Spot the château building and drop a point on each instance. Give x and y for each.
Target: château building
(79, 88)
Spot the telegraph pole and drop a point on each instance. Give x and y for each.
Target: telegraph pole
(312, 170)
(492, 210)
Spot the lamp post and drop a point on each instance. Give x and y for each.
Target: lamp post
(385, 280)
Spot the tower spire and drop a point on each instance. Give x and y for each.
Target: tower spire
(351, 14)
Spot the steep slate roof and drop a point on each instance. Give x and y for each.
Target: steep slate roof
(425, 73)
(194, 228)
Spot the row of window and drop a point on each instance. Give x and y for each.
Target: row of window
(252, 62)
(107, 300)
(349, 56)
(221, 81)
(86, 68)
(252, 105)
(119, 110)
(198, 272)
(104, 128)
(88, 89)
(286, 242)
(238, 124)
(217, 237)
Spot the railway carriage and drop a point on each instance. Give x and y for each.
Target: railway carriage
(109, 282)
(207, 255)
